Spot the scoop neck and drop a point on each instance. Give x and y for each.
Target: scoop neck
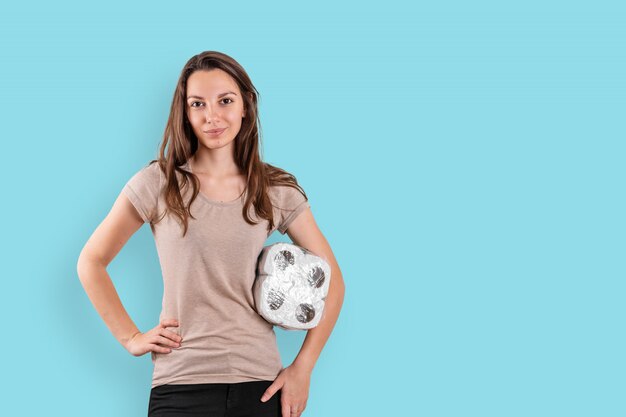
(217, 202)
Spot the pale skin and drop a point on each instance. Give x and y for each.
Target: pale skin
(220, 179)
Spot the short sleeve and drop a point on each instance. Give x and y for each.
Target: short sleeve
(291, 202)
(143, 191)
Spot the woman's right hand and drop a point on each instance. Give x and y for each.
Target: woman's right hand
(151, 341)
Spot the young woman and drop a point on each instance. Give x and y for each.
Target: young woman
(211, 203)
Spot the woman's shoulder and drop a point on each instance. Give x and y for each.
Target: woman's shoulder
(281, 183)
(279, 177)
(147, 175)
(153, 169)
(287, 194)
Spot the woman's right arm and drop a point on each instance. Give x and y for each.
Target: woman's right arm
(104, 244)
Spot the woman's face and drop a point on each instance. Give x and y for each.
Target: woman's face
(214, 102)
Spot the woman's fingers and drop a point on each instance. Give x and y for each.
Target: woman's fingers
(175, 337)
(162, 339)
(159, 339)
(169, 323)
(167, 342)
(159, 349)
(168, 333)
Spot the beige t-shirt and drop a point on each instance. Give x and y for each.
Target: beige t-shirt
(208, 277)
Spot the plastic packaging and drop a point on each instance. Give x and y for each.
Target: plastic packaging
(291, 285)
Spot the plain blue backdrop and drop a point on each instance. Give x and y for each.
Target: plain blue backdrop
(465, 160)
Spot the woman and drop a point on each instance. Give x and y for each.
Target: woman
(211, 203)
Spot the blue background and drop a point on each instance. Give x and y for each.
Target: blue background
(465, 160)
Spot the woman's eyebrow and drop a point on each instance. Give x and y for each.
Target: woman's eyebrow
(220, 95)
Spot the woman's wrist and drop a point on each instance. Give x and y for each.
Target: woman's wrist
(126, 340)
(303, 364)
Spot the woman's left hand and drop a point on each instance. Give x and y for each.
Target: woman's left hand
(294, 385)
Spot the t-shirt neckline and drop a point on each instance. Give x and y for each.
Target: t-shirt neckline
(216, 202)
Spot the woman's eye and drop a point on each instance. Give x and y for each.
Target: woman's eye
(199, 103)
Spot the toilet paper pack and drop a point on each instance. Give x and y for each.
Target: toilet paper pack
(291, 285)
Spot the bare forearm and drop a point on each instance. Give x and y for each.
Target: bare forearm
(317, 337)
(101, 291)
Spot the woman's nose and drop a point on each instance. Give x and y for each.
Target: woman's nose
(210, 114)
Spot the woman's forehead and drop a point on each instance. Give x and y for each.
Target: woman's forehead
(213, 83)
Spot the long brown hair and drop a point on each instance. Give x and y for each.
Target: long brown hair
(183, 144)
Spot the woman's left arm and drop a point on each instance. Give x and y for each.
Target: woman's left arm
(294, 380)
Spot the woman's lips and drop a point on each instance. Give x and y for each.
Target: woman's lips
(215, 133)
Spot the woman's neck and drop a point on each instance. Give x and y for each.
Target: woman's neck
(214, 165)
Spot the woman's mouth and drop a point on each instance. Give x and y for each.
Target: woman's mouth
(215, 132)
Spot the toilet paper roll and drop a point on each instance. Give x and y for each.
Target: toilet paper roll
(291, 285)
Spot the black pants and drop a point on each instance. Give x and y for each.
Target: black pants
(240, 399)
